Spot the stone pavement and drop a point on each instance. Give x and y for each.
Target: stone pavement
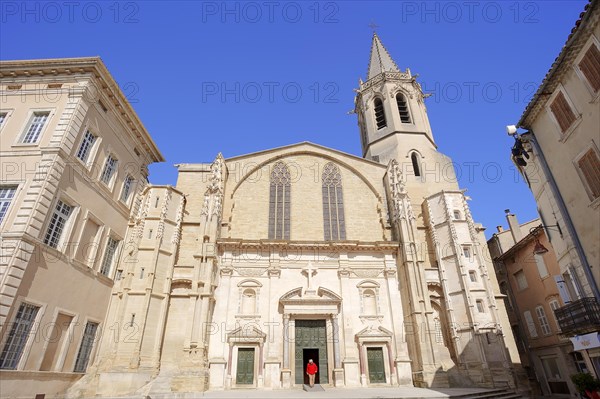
(342, 393)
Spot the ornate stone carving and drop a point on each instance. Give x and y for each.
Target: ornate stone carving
(178, 219)
(402, 208)
(251, 271)
(365, 273)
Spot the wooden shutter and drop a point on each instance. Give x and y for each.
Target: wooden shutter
(562, 112)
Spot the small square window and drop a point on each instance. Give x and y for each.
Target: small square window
(480, 306)
(473, 276)
(467, 251)
(456, 214)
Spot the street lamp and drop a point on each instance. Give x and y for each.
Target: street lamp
(539, 248)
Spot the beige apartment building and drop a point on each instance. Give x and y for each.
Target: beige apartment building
(529, 281)
(372, 266)
(73, 158)
(559, 158)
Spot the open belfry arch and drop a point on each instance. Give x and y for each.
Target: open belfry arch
(371, 266)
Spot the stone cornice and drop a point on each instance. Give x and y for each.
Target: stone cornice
(92, 67)
(234, 243)
(584, 28)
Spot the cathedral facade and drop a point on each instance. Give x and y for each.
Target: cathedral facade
(371, 266)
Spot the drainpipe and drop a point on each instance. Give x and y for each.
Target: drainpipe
(563, 210)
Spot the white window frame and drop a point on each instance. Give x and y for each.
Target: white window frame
(126, 200)
(92, 149)
(114, 173)
(8, 112)
(33, 333)
(541, 266)
(27, 124)
(68, 227)
(96, 343)
(530, 324)
(115, 255)
(540, 312)
(554, 304)
(591, 146)
(10, 203)
(562, 137)
(591, 41)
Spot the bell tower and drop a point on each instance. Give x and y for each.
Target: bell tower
(392, 116)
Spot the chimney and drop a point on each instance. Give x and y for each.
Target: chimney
(513, 225)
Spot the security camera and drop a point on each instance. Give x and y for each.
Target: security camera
(511, 130)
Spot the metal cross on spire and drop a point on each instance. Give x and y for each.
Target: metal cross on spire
(373, 26)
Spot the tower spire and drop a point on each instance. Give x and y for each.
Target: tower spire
(380, 60)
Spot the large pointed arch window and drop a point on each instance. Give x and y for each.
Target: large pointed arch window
(279, 202)
(403, 108)
(379, 113)
(334, 223)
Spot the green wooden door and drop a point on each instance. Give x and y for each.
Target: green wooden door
(311, 334)
(245, 366)
(375, 364)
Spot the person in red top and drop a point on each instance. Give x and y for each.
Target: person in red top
(311, 370)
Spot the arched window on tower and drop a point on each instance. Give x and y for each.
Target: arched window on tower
(403, 108)
(379, 113)
(416, 163)
(279, 202)
(334, 223)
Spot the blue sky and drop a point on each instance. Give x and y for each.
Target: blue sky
(239, 77)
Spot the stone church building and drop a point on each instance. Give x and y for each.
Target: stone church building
(371, 266)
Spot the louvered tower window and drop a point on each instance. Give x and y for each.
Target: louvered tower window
(379, 114)
(334, 223)
(403, 108)
(279, 202)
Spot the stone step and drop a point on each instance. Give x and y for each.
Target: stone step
(316, 388)
(495, 394)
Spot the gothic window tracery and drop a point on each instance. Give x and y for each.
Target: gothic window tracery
(334, 223)
(279, 202)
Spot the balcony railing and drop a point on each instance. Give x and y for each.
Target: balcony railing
(579, 317)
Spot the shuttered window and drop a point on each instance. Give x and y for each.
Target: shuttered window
(403, 108)
(590, 67)
(562, 112)
(379, 114)
(589, 164)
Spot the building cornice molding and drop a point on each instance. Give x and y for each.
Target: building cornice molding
(92, 67)
(579, 35)
(380, 246)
